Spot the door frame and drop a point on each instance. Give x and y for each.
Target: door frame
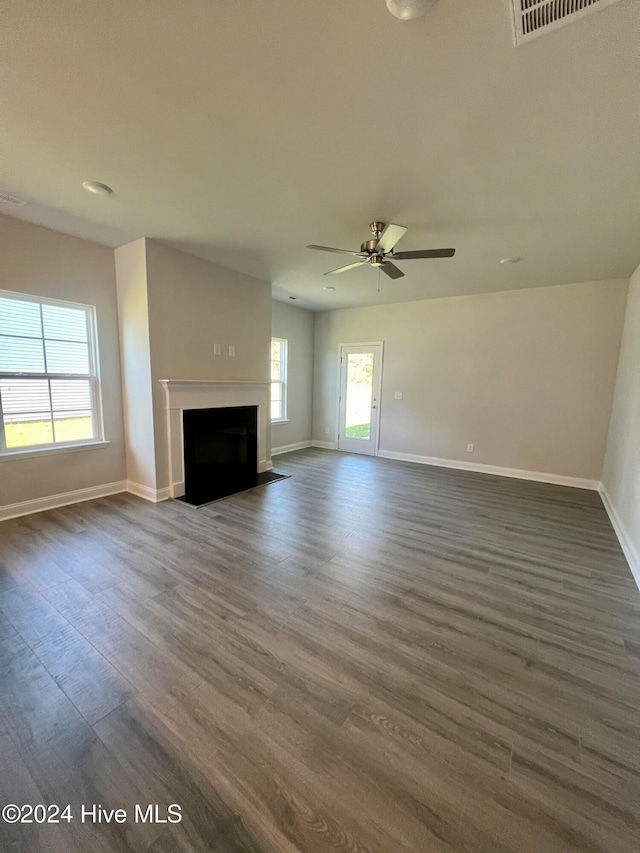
(377, 391)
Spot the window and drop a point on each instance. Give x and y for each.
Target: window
(49, 387)
(278, 380)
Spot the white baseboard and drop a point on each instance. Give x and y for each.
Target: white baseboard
(480, 468)
(324, 445)
(630, 552)
(287, 448)
(146, 492)
(64, 499)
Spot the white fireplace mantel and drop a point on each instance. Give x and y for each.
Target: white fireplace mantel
(181, 394)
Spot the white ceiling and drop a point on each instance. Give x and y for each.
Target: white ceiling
(243, 130)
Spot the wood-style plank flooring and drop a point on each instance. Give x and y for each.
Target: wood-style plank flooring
(369, 656)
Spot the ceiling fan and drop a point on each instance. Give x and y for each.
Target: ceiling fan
(378, 252)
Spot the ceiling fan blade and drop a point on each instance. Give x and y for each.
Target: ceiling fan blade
(391, 270)
(390, 236)
(424, 253)
(340, 251)
(348, 267)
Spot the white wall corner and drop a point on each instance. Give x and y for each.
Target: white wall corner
(146, 492)
(633, 558)
(63, 499)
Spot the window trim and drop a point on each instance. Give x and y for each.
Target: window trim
(34, 451)
(95, 384)
(284, 362)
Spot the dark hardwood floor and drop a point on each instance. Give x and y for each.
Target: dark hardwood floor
(369, 656)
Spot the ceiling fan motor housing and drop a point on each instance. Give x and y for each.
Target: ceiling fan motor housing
(369, 246)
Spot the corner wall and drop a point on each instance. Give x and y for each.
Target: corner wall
(133, 313)
(296, 326)
(621, 476)
(527, 376)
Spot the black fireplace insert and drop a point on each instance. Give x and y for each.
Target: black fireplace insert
(220, 452)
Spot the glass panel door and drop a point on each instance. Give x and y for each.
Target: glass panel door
(358, 403)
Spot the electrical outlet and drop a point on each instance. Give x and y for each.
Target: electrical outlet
(232, 351)
(327, 431)
(469, 448)
(397, 395)
(216, 349)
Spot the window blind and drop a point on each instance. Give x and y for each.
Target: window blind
(48, 382)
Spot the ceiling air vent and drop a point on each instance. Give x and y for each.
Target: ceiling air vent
(6, 198)
(533, 18)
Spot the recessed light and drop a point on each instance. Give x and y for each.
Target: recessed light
(408, 10)
(97, 188)
(330, 287)
(511, 260)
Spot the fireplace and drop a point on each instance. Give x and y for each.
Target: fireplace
(186, 394)
(220, 452)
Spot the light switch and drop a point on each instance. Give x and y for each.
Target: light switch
(232, 351)
(216, 349)
(397, 395)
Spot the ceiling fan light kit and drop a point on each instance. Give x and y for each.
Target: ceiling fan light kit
(408, 10)
(378, 251)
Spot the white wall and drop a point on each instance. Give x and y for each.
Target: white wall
(133, 311)
(296, 326)
(527, 376)
(621, 477)
(39, 261)
(192, 305)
